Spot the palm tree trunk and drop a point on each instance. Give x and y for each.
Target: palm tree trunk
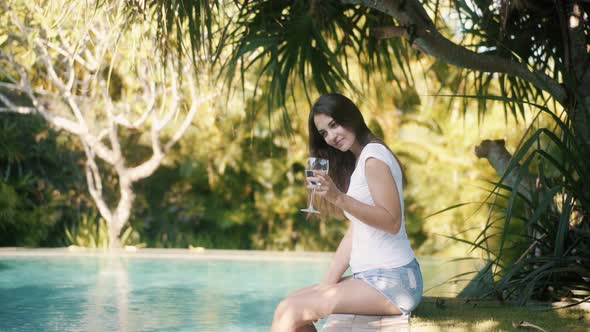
(499, 157)
(578, 68)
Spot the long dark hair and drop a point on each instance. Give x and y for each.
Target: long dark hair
(346, 114)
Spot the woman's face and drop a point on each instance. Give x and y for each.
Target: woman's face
(334, 134)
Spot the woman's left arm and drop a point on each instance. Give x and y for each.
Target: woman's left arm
(386, 214)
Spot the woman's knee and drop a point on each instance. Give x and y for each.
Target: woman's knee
(289, 311)
(287, 305)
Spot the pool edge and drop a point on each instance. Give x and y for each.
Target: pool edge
(165, 253)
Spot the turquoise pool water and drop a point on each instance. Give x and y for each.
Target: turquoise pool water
(111, 293)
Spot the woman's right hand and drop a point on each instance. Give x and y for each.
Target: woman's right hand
(326, 188)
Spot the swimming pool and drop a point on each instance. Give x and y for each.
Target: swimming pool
(156, 290)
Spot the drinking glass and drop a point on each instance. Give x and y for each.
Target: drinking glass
(314, 164)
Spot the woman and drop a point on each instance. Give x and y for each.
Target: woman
(365, 182)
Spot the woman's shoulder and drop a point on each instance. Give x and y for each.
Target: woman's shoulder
(381, 152)
(377, 148)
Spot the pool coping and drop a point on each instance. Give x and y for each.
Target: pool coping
(191, 253)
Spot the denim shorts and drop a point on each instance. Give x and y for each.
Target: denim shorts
(401, 285)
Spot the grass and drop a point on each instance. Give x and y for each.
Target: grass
(445, 314)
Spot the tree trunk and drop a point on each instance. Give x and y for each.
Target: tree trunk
(499, 157)
(581, 120)
(578, 67)
(495, 152)
(114, 240)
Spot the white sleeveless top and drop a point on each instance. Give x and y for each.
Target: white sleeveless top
(371, 247)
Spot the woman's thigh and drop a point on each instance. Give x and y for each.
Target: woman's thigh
(312, 288)
(356, 297)
(349, 296)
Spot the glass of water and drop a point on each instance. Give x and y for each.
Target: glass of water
(319, 165)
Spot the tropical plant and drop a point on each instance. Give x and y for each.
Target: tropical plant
(542, 188)
(91, 231)
(497, 43)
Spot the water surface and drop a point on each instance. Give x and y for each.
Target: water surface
(113, 293)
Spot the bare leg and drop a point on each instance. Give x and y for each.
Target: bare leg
(347, 297)
(310, 327)
(313, 287)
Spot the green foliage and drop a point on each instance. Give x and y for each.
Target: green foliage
(241, 192)
(317, 45)
(199, 18)
(552, 251)
(36, 175)
(530, 32)
(8, 202)
(281, 41)
(91, 232)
